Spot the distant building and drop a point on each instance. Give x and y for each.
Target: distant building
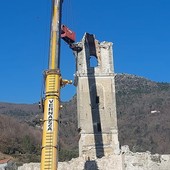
(7, 164)
(3, 163)
(155, 111)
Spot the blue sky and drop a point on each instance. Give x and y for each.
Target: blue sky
(139, 30)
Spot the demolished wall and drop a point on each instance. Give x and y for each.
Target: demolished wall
(144, 160)
(127, 159)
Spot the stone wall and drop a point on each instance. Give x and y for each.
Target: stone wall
(126, 160)
(144, 160)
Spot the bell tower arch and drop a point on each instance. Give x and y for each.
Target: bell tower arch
(96, 103)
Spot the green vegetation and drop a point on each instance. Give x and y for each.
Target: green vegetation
(66, 155)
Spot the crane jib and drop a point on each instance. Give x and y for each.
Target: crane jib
(51, 102)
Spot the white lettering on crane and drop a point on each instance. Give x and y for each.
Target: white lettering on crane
(50, 115)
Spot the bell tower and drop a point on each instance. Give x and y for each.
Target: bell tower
(96, 103)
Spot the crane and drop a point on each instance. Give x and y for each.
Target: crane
(53, 83)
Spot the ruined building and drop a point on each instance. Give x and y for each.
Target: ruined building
(96, 103)
(97, 120)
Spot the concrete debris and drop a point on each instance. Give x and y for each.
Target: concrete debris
(127, 160)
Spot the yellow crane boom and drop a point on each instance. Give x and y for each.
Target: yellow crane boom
(53, 83)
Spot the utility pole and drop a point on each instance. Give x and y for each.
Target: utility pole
(51, 103)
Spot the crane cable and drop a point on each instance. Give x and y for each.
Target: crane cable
(68, 17)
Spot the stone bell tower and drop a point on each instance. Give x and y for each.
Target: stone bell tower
(96, 104)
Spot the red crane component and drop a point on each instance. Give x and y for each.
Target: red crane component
(67, 35)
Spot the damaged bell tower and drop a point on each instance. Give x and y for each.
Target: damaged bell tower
(96, 103)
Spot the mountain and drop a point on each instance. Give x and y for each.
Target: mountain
(143, 111)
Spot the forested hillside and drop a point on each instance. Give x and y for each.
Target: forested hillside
(143, 110)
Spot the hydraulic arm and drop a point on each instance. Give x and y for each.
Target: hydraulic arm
(53, 83)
